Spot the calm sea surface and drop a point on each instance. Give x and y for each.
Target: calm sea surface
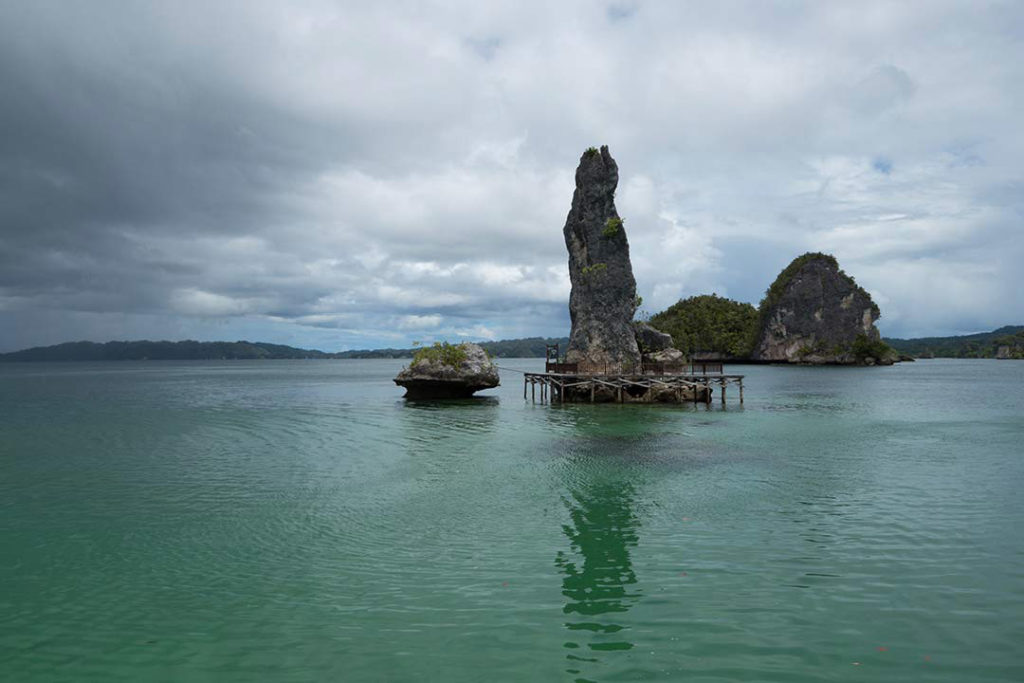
(299, 521)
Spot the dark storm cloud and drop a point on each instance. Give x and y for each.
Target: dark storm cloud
(353, 174)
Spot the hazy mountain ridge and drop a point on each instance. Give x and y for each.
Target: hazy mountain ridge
(529, 347)
(979, 345)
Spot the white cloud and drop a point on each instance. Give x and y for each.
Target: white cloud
(352, 173)
(196, 302)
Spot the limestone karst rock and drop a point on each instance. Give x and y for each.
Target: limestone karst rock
(655, 345)
(603, 297)
(815, 313)
(651, 340)
(448, 371)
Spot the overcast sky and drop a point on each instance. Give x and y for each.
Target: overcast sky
(344, 175)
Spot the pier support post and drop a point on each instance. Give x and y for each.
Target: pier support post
(723, 393)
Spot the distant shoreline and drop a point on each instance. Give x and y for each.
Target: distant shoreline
(981, 345)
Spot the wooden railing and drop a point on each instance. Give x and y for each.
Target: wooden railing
(561, 368)
(682, 368)
(647, 369)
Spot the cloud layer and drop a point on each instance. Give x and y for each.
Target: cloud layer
(350, 175)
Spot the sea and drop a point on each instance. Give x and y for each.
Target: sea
(301, 521)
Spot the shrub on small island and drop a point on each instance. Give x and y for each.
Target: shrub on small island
(441, 352)
(864, 348)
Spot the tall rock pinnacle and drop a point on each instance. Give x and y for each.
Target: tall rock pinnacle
(603, 297)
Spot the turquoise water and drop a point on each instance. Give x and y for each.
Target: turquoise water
(299, 521)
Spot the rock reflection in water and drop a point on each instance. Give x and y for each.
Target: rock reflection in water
(598, 573)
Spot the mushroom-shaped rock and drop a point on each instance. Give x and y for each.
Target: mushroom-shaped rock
(448, 371)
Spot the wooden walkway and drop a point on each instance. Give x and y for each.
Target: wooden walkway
(636, 388)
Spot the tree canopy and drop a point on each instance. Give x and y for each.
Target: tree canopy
(709, 323)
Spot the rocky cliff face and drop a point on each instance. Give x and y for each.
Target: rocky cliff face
(815, 313)
(603, 297)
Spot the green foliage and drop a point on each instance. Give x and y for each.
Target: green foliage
(709, 323)
(592, 152)
(863, 348)
(612, 227)
(441, 352)
(981, 345)
(594, 269)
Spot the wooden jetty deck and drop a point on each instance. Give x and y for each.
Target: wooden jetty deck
(656, 382)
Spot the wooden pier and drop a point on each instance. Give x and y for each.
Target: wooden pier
(656, 383)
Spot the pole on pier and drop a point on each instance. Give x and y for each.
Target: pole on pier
(592, 392)
(524, 387)
(741, 392)
(723, 393)
(533, 391)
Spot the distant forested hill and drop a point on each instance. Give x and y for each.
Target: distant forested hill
(1009, 339)
(710, 324)
(532, 347)
(160, 350)
(981, 345)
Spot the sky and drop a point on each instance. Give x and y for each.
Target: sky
(347, 175)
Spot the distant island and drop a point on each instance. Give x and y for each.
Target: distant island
(531, 347)
(1005, 342)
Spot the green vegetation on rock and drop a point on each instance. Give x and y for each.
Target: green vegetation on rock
(709, 324)
(864, 348)
(587, 271)
(441, 352)
(612, 227)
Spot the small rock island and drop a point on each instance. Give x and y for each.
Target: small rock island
(448, 371)
(816, 314)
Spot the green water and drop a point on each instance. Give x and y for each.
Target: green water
(298, 521)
